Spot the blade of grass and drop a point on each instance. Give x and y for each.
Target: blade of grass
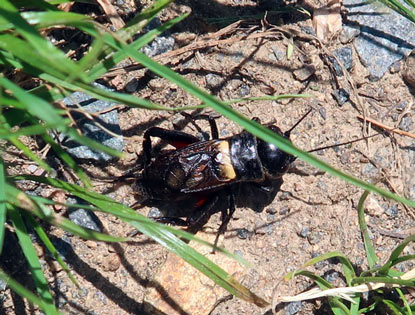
(21, 200)
(370, 251)
(267, 98)
(2, 203)
(105, 64)
(404, 301)
(32, 298)
(394, 281)
(48, 244)
(32, 259)
(347, 266)
(36, 42)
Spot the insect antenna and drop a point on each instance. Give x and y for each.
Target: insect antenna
(288, 132)
(345, 143)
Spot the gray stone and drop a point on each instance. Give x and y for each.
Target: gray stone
(89, 128)
(406, 123)
(304, 73)
(161, 44)
(392, 211)
(242, 233)
(292, 308)
(279, 54)
(131, 86)
(345, 56)
(212, 80)
(341, 96)
(304, 232)
(349, 33)
(82, 217)
(383, 39)
(244, 90)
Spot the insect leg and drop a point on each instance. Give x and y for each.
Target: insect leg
(176, 138)
(226, 215)
(210, 118)
(203, 213)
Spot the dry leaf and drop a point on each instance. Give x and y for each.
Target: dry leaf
(327, 20)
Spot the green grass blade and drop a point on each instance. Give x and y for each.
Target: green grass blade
(396, 281)
(110, 96)
(32, 298)
(35, 41)
(32, 259)
(347, 266)
(404, 301)
(2, 203)
(48, 244)
(394, 307)
(107, 63)
(21, 200)
(370, 251)
(35, 105)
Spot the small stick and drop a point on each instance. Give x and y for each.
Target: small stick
(388, 128)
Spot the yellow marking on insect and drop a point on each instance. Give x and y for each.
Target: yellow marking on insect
(223, 158)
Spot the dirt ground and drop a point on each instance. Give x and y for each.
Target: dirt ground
(312, 214)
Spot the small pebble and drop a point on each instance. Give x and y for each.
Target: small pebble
(304, 73)
(322, 112)
(406, 123)
(341, 96)
(293, 308)
(304, 232)
(242, 233)
(392, 211)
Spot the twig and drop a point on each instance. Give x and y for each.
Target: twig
(388, 128)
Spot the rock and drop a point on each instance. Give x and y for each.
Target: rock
(383, 39)
(244, 90)
(89, 128)
(279, 54)
(304, 73)
(84, 218)
(341, 96)
(112, 262)
(176, 278)
(161, 44)
(349, 33)
(293, 308)
(345, 56)
(392, 211)
(304, 232)
(406, 123)
(212, 80)
(373, 208)
(409, 73)
(242, 233)
(131, 86)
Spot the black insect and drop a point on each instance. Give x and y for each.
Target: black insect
(201, 169)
